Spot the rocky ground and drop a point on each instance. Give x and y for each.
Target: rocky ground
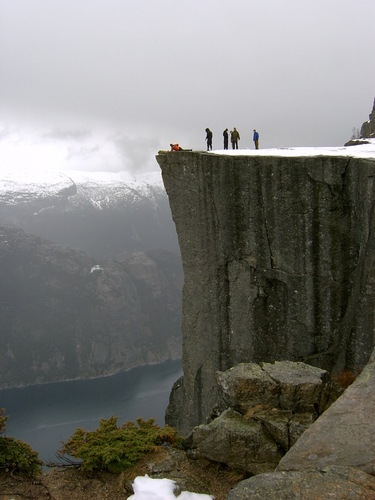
(199, 476)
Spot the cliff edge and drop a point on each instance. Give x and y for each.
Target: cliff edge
(278, 255)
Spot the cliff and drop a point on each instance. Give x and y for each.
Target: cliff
(278, 255)
(64, 315)
(90, 274)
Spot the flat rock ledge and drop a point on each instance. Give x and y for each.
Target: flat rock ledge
(334, 458)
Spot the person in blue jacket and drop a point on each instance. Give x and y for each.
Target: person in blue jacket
(256, 139)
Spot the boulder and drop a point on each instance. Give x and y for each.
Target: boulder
(325, 484)
(302, 388)
(247, 385)
(287, 385)
(240, 443)
(270, 407)
(284, 426)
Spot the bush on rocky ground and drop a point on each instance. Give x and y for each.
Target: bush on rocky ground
(113, 448)
(16, 456)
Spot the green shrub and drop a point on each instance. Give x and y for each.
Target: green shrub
(114, 448)
(17, 456)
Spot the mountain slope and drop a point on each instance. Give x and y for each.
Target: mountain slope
(65, 315)
(102, 214)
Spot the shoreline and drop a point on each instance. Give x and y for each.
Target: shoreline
(82, 379)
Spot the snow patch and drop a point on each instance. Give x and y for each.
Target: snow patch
(96, 268)
(146, 488)
(35, 183)
(19, 185)
(358, 151)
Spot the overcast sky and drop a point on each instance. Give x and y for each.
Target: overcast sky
(105, 84)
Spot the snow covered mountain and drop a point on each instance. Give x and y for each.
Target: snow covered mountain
(90, 275)
(100, 213)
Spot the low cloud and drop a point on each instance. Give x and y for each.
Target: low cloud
(84, 149)
(67, 134)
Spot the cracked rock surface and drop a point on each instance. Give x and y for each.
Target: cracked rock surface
(278, 256)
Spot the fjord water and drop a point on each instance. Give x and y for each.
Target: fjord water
(45, 415)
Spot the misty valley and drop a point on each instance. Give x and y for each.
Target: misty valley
(90, 283)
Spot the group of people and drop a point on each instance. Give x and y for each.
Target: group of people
(234, 138)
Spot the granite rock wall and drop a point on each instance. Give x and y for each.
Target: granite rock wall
(278, 257)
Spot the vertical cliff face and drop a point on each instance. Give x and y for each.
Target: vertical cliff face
(368, 128)
(278, 256)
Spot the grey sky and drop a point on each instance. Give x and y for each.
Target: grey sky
(144, 73)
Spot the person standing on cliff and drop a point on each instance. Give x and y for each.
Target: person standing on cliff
(256, 139)
(234, 138)
(209, 139)
(225, 135)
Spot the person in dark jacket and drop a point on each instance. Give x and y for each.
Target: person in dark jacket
(225, 135)
(234, 138)
(256, 139)
(209, 139)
